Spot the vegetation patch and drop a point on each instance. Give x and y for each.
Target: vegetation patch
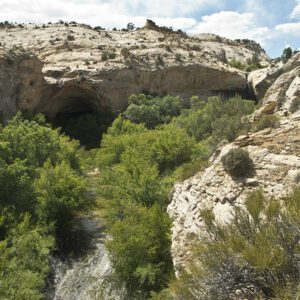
(256, 256)
(237, 162)
(265, 121)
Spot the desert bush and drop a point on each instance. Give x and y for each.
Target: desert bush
(237, 64)
(160, 61)
(255, 256)
(178, 57)
(70, 37)
(111, 55)
(151, 110)
(104, 57)
(125, 53)
(139, 250)
(295, 105)
(41, 191)
(195, 47)
(265, 121)
(168, 48)
(221, 119)
(251, 64)
(237, 162)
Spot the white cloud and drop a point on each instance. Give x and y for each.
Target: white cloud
(107, 13)
(289, 28)
(232, 25)
(296, 11)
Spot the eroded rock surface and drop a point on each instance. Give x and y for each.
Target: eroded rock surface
(83, 66)
(275, 153)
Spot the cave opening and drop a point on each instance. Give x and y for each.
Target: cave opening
(81, 117)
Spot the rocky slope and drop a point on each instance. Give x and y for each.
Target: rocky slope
(275, 154)
(72, 67)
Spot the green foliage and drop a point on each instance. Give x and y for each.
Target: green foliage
(237, 64)
(24, 262)
(287, 54)
(41, 189)
(265, 121)
(140, 249)
(134, 179)
(60, 193)
(136, 165)
(250, 65)
(237, 162)
(104, 57)
(256, 255)
(152, 111)
(35, 144)
(218, 119)
(178, 57)
(125, 53)
(166, 146)
(160, 61)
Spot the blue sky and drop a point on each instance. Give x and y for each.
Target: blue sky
(273, 23)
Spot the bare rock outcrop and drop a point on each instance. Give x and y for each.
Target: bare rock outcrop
(275, 153)
(90, 68)
(277, 87)
(21, 81)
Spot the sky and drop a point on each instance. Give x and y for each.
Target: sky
(275, 24)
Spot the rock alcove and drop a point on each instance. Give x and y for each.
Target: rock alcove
(80, 113)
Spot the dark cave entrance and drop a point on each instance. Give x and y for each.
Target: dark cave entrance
(80, 116)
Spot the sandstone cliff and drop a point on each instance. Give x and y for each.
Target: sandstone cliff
(75, 67)
(275, 154)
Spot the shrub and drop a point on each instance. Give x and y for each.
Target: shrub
(237, 162)
(265, 121)
(160, 61)
(221, 119)
(153, 110)
(125, 53)
(139, 250)
(24, 261)
(111, 55)
(104, 57)
(70, 37)
(195, 47)
(286, 54)
(295, 105)
(168, 48)
(255, 256)
(237, 64)
(178, 57)
(251, 64)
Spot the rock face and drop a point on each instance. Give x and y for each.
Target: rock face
(277, 87)
(275, 154)
(88, 276)
(21, 81)
(78, 68)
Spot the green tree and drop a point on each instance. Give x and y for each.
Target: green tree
(287, 54)
(151, 111)
(60, 193)
(24, 262)
(140, 250)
